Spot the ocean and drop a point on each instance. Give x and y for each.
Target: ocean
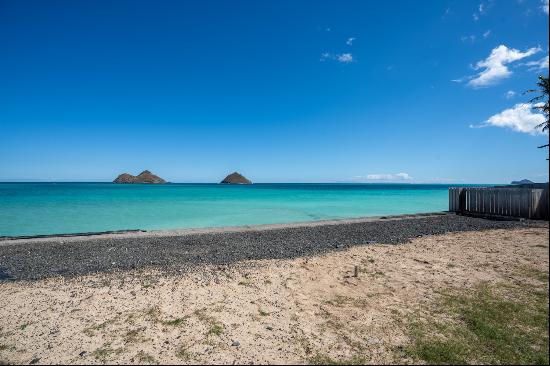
(59, 208)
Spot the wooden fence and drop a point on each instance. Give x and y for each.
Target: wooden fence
(527, 203)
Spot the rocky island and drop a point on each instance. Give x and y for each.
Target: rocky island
(523, 181)
(235, 178)
(143, 177)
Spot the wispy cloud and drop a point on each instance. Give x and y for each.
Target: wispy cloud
(344, 58)
(494, 67)
(480, 11)
(510, 94)
(398, 177)
(539, 65)
(520, 118)
(545, 6)
(471, 38)
(486, 34)
(350, 40)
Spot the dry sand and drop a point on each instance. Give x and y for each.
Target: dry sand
(264, 311)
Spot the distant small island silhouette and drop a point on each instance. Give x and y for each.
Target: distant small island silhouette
(235, 178)
(143, 177)
(523, 181)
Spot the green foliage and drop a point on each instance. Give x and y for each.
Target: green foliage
(504, 325)
(541, 101)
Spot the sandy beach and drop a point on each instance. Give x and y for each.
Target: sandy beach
(305, 309)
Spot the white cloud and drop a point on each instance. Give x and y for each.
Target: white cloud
(540, 65)
(494, 67)
(384, 177)
(487, 33)
(350, 40)
(545, 6)
(345, 58)
(520, 118)
(510, 94)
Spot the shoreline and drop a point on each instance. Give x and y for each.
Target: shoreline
(130, 233)
(179, 251)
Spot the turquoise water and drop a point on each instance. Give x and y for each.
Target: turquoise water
(53, 208)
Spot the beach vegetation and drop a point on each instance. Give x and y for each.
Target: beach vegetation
(215, 329)
(90, 331)
(105, 352)
(213, 325)
(540, 102)
(135, 335)
(144, 357)
(324, 359)
(184, 354)
(155, 315)
(175, 322)
(495, 324)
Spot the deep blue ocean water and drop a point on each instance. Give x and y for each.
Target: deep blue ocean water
(55, 208)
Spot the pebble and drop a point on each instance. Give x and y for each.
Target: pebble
(174, 252)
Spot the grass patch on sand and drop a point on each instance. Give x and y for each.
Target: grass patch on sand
(499, 324)
(91, 331)
(322, 359)
(144, 357)
(105, 352)
(174, 322)
(214, 327)
(183, 354)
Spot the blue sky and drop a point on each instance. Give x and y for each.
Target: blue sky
(281, 91)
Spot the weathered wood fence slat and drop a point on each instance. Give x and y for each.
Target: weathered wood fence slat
(529, 203)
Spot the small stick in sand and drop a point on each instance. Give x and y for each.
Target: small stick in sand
(355, 271)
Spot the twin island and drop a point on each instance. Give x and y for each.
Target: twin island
(150, 178)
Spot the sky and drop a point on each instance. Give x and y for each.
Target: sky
(281, 91)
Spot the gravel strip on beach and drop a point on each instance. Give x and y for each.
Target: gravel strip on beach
(35, 259)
